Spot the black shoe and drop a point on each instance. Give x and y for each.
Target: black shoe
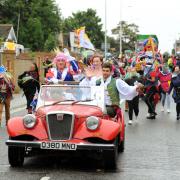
(152, 116)
(177, 118)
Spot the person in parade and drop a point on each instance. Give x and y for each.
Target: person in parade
(114, 89)
(164, 76)
(131, 78)
(6, 90)
(176, 61)
(29, 82)
(175, 86)
(171, 62)
(151, 58)
(74, 65)
(93, 72)
(60, 72)
(122, 64)
(47, 64)
(116, 70)
(151, 88)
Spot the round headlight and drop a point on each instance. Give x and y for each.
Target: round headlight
(92, 123)
(29, 120)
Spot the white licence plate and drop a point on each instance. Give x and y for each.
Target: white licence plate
(58, 146)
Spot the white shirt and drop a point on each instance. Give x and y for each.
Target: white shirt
(89, 81)
(125, 91)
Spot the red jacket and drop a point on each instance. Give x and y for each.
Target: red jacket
(164, 81)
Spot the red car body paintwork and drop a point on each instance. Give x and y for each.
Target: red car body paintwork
(65, 126)
(107, 130)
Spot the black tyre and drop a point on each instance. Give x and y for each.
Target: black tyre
(110, 157)
(16, 156)
(121, 146)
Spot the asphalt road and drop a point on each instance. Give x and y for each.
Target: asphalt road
(152, 152)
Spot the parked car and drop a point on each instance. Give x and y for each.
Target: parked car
(68, 118)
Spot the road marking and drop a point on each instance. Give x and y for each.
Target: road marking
(45, 178)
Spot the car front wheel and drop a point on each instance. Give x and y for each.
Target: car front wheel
(110, 157)
(121, 145)
(16, 156)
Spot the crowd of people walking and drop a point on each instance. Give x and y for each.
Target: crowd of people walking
(129, 78)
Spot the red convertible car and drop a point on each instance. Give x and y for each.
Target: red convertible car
(68, 118)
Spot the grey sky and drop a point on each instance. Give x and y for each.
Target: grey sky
(158, 17)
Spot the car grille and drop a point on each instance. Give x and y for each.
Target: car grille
(60, 129)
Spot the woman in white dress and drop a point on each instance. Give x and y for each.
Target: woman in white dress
(93, 72)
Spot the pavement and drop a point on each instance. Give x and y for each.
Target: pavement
(18, 101)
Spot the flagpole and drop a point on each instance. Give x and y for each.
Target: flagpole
(105, 43)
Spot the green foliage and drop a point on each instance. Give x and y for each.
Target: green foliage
(173, 52)
(113, 43)
(91, 21)
(50, 43)
(1, 40)
(38, 19)
(129, 35)
(34, 36)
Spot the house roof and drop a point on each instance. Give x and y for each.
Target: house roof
(4, 30)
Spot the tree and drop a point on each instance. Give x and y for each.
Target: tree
(38, 19)
(91, 21)
(173, 52)
(129, 35)
(50, 43)
(113, 42)
(34, 36)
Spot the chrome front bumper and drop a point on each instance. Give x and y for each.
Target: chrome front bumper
(80, 146)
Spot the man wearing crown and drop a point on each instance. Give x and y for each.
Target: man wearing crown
(60, 72)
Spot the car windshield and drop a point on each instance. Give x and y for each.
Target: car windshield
(71, 94)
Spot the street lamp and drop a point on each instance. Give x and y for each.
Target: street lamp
(18, 26)
(120, 29)
(105, 40)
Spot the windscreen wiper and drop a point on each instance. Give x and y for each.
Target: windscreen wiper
(57, 102)
(87, 100)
